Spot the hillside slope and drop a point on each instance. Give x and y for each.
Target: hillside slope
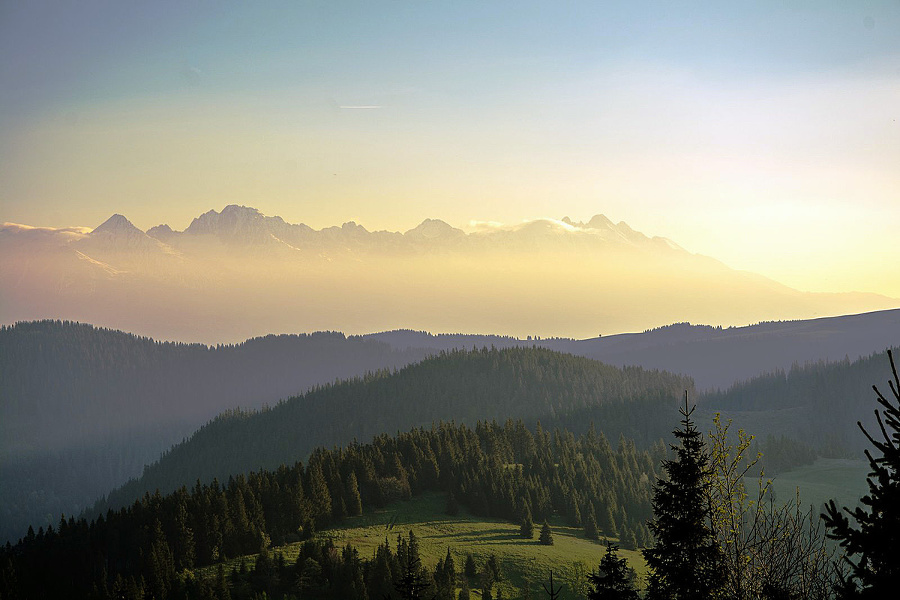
(494, 470)
(462, 386)
(83, 409)
(817, 403)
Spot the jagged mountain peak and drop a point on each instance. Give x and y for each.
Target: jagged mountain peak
(600, 222)
(240, 210)
(233, 221)
(118, 225)
(160, 230)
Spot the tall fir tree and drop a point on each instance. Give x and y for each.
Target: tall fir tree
(875, 537)
(353, 501)
(444, 578)
(685, 562)
(614, 580)
(464, 591)
(469, 568)
(590, 526)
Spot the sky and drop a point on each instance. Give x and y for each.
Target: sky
(764, 134)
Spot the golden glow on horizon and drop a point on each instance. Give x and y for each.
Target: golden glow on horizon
(212, 293)
(792, 177)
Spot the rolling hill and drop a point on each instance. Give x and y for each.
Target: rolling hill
(460, 386)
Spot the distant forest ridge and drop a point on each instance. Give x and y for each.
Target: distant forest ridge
(83, 409)
(715, 357)
(816, 403)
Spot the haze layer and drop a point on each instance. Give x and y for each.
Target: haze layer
(238, 273)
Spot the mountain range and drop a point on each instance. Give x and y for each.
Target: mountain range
(238, 273)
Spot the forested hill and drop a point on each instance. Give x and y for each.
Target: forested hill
(716, 357)
(83, 409)
(64, 382)
(816, 403)
(462, 386)
(506, 471)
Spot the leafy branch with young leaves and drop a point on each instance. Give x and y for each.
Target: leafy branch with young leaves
(737, 518)
(770, 549)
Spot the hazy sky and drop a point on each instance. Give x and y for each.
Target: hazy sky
(765, 134)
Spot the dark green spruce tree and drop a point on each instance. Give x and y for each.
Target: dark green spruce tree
(526, 528)
(685, 562)
(613, 579)
(875, 537)
(546, 535)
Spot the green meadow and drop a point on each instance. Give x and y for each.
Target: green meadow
(827, 478)
(570, 557)
(523, 561)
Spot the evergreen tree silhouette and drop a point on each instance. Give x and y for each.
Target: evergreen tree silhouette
(546, 535)
(469, 568)
(412, 583)
(685, 562)
(876, 536)
(526, 529)
(613, 579)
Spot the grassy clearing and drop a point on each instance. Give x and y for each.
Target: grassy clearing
(520, 559)
(841, 479)
(465, 533)
(844, 480)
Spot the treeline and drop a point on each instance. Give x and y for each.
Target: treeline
(812, 407)
(494, 470)
(322, 571)
(463, 386)
(66, 382)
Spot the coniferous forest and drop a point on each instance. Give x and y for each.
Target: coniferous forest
(682, 515)
(493, 470)
(531, 384)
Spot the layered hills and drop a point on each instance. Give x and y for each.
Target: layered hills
(83, 409)
(239, 273)
(533, 384)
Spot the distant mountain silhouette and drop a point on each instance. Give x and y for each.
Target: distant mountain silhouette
(119, 226)
(238, 273)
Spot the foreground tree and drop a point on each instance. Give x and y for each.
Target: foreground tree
(614, 580)
(875, 535)
(686, 561)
